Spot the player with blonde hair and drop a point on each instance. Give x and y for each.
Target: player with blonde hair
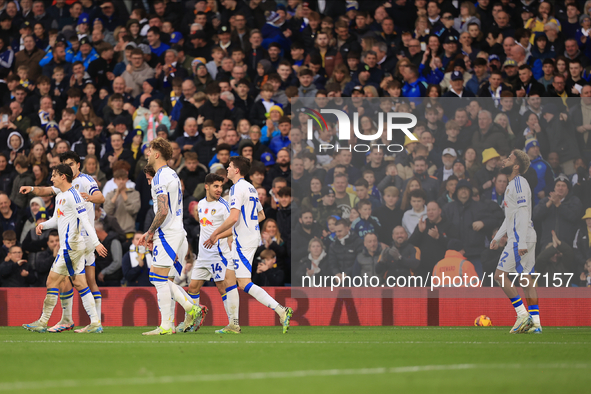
(519, 254)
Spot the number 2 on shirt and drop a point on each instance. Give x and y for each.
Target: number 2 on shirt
(254, 215)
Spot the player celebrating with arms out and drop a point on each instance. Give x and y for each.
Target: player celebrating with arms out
(90, 193)
(245, 214)
(70, 218)
(170, 234)
(519, 254)
(211, 263)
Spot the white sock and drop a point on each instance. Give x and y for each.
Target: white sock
(519, 307)
(534, 311)
(180, 295)
(225, 302)
(67, 299)
(264, 298)
(98, 300)
(233, 305)
(89, 305)
(195, 298)
(172, 310)
(164, 300)
(48, 304)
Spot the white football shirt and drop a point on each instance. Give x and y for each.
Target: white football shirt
(84, 183)
(244, 197)
(211, 216)
(70, 217)
(166, 181)
(518, 209)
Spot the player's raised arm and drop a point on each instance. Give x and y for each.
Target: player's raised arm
(37, 191)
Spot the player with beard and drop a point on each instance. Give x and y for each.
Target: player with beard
(519, 253)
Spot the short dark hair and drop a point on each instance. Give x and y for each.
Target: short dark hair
(243, 81)
(211, 178)
(361, 182)
(242, 163)
(149, 170)
(418, 193)
(9, 235)
(63, 169)
(69, 155)
(284, 191)
(154, 30)
(277, 180)
(419, 158)
(222, 147)
(344, 222)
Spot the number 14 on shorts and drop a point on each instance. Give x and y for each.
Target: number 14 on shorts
(216, 267)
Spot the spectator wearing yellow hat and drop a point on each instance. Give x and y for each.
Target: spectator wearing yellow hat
(271, 127)
(485, 175)
(404, 158)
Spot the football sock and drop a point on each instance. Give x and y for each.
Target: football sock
(233, 304)
(172, 309)
(163, 293)
(98, 300)
(67, 299)
(194, 297)
(519, 307)
(225, 302)
(49, 304)
(263, 297)
(89, 305)
(180, 295)
(534, 311)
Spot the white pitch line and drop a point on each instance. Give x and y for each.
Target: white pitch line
(197, 342)
(148, 380)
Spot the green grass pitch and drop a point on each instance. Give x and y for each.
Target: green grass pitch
(308, 360)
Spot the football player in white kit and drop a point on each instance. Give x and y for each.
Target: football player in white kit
(90, 193)
(211, 263)
(165, 238)
(71, 220)
(245, 214)
(519, 254)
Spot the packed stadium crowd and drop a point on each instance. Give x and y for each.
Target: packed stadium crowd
(217, 78)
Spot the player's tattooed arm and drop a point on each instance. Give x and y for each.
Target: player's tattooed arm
(161, 213)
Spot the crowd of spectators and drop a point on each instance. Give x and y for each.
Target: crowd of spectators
(217, 78)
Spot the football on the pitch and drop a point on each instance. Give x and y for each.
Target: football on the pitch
(483, 321)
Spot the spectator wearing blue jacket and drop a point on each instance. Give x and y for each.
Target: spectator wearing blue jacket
(87, 53)
(542, 168)
(282, 140)
(190, 135)
(414, 85)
